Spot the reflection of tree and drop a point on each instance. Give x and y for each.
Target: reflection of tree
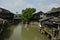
(5, 34)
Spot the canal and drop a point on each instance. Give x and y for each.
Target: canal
(22, 32)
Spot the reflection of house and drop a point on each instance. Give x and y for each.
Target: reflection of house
(5, 14)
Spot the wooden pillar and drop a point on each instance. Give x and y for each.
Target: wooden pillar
(52, 37)
(42, 24)
(58, 27)
(58, 31)
(41, 28)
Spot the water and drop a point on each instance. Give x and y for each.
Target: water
(21, 32)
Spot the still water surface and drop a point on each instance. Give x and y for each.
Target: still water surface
(21, 32)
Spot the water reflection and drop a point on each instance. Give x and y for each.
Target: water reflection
(22, 32)
(16, 35)
(5, 34)
(31, 33)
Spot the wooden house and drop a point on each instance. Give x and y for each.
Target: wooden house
(37, 16)
(5, 14)
(17, 17)
(50, 27)
(51, 24)
(54, 12)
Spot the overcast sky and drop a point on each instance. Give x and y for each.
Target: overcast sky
(40, 5)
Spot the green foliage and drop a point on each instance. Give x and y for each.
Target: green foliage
(27, 13)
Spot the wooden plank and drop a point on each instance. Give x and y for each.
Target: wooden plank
(48, 32)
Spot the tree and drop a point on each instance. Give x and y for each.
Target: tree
(27, 14)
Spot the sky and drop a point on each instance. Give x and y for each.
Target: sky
(40, 5)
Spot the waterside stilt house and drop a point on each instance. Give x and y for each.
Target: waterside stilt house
(51, 24)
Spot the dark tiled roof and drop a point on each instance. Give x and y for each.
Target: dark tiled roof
(2, 10)
(38, 13)
(45, 19)
(51, 20)
(54, 10)
(54, 20)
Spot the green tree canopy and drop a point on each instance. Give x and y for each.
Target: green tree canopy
(27, 13)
